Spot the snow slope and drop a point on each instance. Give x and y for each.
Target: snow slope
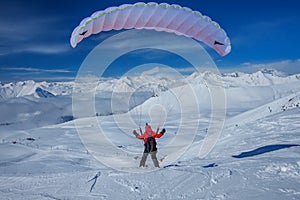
(256, 157)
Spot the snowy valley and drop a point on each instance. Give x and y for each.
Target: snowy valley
(256, 157)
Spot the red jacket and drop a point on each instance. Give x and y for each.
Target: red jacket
(149, 133)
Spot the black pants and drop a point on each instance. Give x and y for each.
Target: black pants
(153, 156)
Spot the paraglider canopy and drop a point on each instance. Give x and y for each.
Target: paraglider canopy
(159, 17)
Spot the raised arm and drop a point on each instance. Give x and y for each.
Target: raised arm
(158, 135)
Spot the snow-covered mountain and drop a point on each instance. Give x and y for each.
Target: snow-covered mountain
(256, 157)
(30, 106)
(37, 89)
(43, 93)
(152, 80)
(237, 79)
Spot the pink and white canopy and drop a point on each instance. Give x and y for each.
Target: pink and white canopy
(159, 17)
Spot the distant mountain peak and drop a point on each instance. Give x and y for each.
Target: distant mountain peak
(43, 93)
(272, 72)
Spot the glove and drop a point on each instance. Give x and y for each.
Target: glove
(135, 133)
(163, 131)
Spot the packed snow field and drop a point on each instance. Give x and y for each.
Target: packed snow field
(256, 157)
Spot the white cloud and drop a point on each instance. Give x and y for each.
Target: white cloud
(286, 66)
(11, 74)
(55, 78)
(48, 49)
(186, 70)
(37, 48)
(30, 69)
(35, 34)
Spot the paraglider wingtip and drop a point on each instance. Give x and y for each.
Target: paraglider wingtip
(73, 45)
(227, 50)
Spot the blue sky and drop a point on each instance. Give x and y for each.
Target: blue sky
(34, 39)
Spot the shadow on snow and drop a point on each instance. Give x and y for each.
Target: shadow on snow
(264, 149)
(210, 165)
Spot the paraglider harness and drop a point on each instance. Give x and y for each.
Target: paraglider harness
(150, 145)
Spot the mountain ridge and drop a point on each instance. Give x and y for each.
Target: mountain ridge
(151, 81)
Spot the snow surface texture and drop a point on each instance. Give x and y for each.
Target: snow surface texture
(257, 156)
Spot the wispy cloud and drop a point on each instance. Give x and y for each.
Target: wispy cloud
(55, 78)
(187, 70)
(28, 32)
(30, 69)
(35, 48)
(12, 74)
(286, 66)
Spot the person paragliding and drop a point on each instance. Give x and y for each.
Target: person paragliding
(159, 17)
(150, 144)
